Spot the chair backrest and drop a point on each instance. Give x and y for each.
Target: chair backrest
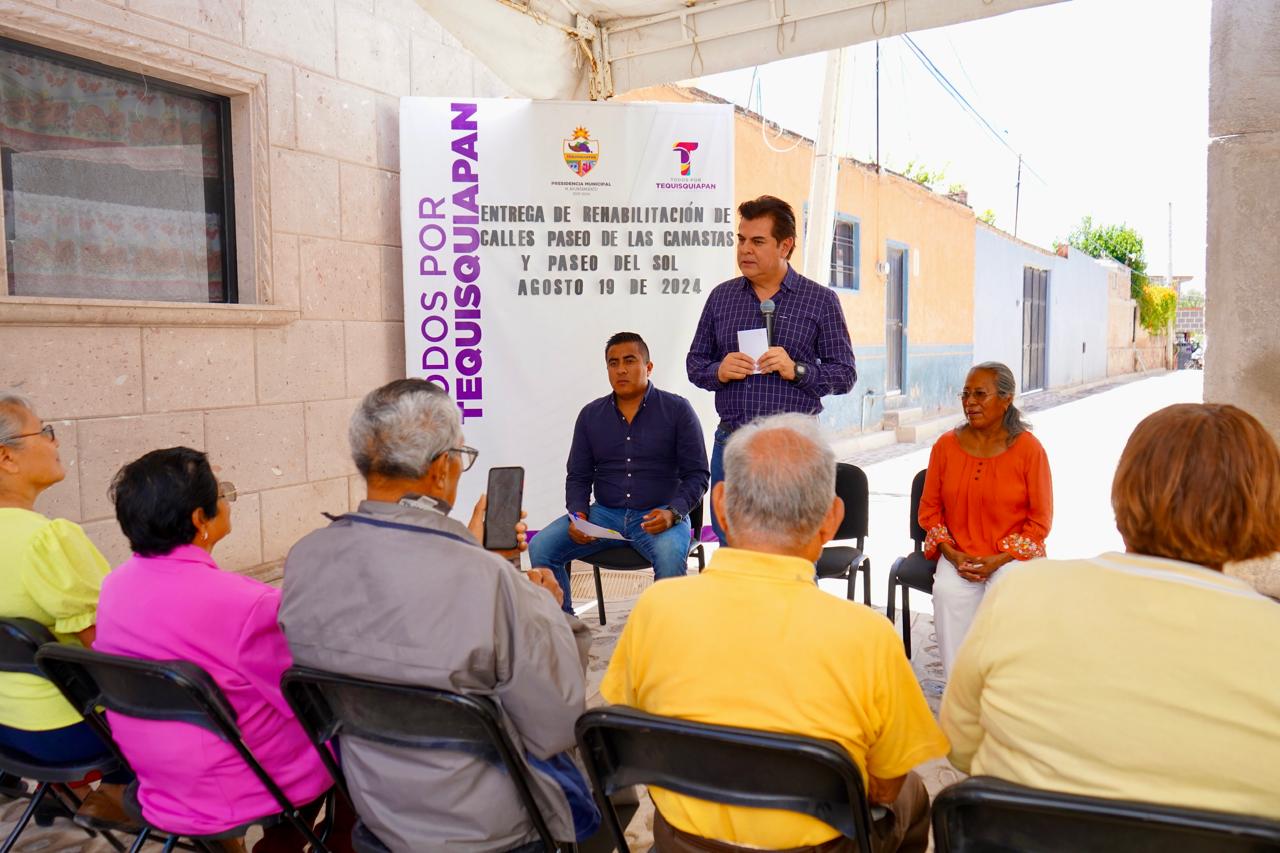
(851, 487)
(20, 639)
(331, 705)
(695, 519)
(982, 814)
(172, 691)
(742, 767)
(150, 690)
(917, 489)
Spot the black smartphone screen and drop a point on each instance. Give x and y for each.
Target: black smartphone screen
(505, 495)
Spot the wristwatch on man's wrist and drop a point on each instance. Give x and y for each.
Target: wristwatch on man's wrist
(801, 370)
(676, 517)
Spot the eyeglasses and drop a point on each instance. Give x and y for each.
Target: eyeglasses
(46, 430)
(978, 396)
(227, 492)
(468, 454)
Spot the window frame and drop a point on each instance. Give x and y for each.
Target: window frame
(230, 277)
(856, 265)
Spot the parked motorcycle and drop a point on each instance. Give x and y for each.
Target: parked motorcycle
(1197, 357)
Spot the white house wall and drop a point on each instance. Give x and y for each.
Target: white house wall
(1077, 312)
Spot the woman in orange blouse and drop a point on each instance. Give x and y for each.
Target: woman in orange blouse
(988, 500)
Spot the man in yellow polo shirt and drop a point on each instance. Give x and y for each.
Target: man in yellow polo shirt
(753, 642)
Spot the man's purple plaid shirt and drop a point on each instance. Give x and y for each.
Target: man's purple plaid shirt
(807, 323)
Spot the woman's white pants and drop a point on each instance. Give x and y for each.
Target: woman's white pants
(955, 603)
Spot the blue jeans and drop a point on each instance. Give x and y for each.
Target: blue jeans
(67, 745)
(717, 474)
(553, 549)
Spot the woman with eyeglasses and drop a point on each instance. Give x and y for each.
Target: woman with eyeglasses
(170, 601)
(987, 501)
(51, 573)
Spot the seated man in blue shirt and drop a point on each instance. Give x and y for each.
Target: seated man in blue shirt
(641, 450)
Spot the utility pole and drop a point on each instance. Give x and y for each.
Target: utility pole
(1017, 197)
(826, 164)
(1170, 280)
(877, 105)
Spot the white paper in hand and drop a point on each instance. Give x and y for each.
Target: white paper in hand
(753, 343)
(584, 526)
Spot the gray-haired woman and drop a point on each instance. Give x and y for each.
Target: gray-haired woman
(988, 500)
(51, 573)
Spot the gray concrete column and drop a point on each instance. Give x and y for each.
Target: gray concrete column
(1242, 364)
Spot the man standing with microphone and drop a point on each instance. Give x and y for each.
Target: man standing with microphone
(809, 354)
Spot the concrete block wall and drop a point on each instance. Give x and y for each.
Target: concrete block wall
(1190, 319)
(269, 402)
(1243, 255)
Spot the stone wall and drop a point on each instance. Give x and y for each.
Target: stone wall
(266, 387)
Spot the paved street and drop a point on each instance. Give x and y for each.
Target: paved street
(1083, 436)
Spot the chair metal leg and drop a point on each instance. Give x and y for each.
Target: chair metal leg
(891, 605)
(599, 594)
(866, 581)
(326, 826)
(906, 619)
(169, 844)
(140, 840)
(36, 797)
(852, 574)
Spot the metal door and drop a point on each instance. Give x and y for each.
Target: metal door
(895, 317)
(1035, 313)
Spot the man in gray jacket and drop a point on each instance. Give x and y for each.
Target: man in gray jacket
(398, 591)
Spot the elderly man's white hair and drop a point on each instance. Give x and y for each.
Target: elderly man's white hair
(11, 404)
(402, 426)
(779, 479)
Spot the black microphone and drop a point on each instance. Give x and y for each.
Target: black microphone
(766, 308)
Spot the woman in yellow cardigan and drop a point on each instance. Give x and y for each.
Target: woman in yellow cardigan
(49, 572)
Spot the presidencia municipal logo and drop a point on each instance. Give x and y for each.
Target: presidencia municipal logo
(684, 150)
(581, 152)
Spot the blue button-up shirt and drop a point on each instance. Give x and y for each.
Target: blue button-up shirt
(807, 323)
(657, 460)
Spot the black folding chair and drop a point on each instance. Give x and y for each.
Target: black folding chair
(177, 691)
(20, 639)
(843, 561)
(912, 571)
(624, 558)
(739, 767)
(986, 815)
(330, 706)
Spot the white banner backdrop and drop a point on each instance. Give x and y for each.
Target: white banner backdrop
(534, 230)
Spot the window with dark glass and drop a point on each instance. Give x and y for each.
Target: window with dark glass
(115, 186)
(844, 254)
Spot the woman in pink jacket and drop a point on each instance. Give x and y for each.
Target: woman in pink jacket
(171, 601)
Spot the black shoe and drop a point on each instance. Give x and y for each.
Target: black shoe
(12, 786)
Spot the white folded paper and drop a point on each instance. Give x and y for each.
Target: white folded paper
(584, 526)
(753, 342)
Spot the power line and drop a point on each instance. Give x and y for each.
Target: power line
(960, 99)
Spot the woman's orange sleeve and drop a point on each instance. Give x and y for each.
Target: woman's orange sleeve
(1028, 542)
(930, 516)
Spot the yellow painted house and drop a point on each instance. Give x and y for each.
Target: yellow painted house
(902, 264)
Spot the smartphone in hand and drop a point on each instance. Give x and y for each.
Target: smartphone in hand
(502, 513)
